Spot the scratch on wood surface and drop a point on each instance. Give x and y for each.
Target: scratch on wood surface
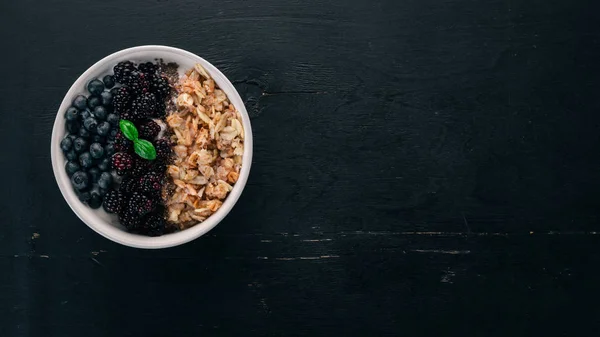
(440, 251)
(96, 262)
(45, 256)
(306, 258)
(266, 240)
(265, 307)
(447, 276)
(96, 253)
(316, 240)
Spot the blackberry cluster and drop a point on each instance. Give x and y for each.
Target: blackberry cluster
(138, 199)
(142, 93)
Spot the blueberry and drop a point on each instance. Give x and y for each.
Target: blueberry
(113, 134)
(90, 124)
(98, 139)
(109, 149)
(83, 133)
(85, 114)
(94, 101)
(100, 112)
(85, 160)
(71, 168)
(72, 114)
(107, 98)
(95, 202)
(109, 81)
(103, 128)
(72, 137)
(71, 155)
(96, 150)
(99, 191)
(83, 195)
(105, 180)
(113, 91)
(104, 164)
(73, 126)
(80, 102)
(113, 119)
(80, 145)
(95, 87)
(96, 199)
(66, 144)
(80, 180)
(94, 173)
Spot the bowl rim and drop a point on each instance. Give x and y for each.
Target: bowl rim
(118, 235)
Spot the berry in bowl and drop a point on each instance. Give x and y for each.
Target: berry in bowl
(152, 147)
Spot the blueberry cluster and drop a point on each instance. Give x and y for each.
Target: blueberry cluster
(92, 126)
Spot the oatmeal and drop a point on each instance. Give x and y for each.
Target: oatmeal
(208, 140)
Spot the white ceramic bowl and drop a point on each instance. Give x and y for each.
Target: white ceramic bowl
(106, 224)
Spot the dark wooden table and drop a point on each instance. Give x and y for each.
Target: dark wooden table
(421, 167)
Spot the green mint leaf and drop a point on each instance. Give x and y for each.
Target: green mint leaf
(128, 129)
(144, 149)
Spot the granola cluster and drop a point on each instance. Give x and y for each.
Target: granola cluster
(209, 138)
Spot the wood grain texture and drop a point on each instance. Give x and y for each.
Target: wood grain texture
(420, 168)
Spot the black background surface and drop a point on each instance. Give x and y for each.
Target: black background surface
(421, 167)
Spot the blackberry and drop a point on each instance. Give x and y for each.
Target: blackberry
(128, 186)
(123, 70)
(135, 115)
(114, 202)
(141, 167)
(122, 162)
(129, 115)
(163, 149)
(129, 219)
(149, 130)
(145, 104)
(160, 86)
(152, 225)
(140, 204)
(151, 184)
(147, 68)
(122, 144)
(161, 109)
(121, 99)
(137, 83)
